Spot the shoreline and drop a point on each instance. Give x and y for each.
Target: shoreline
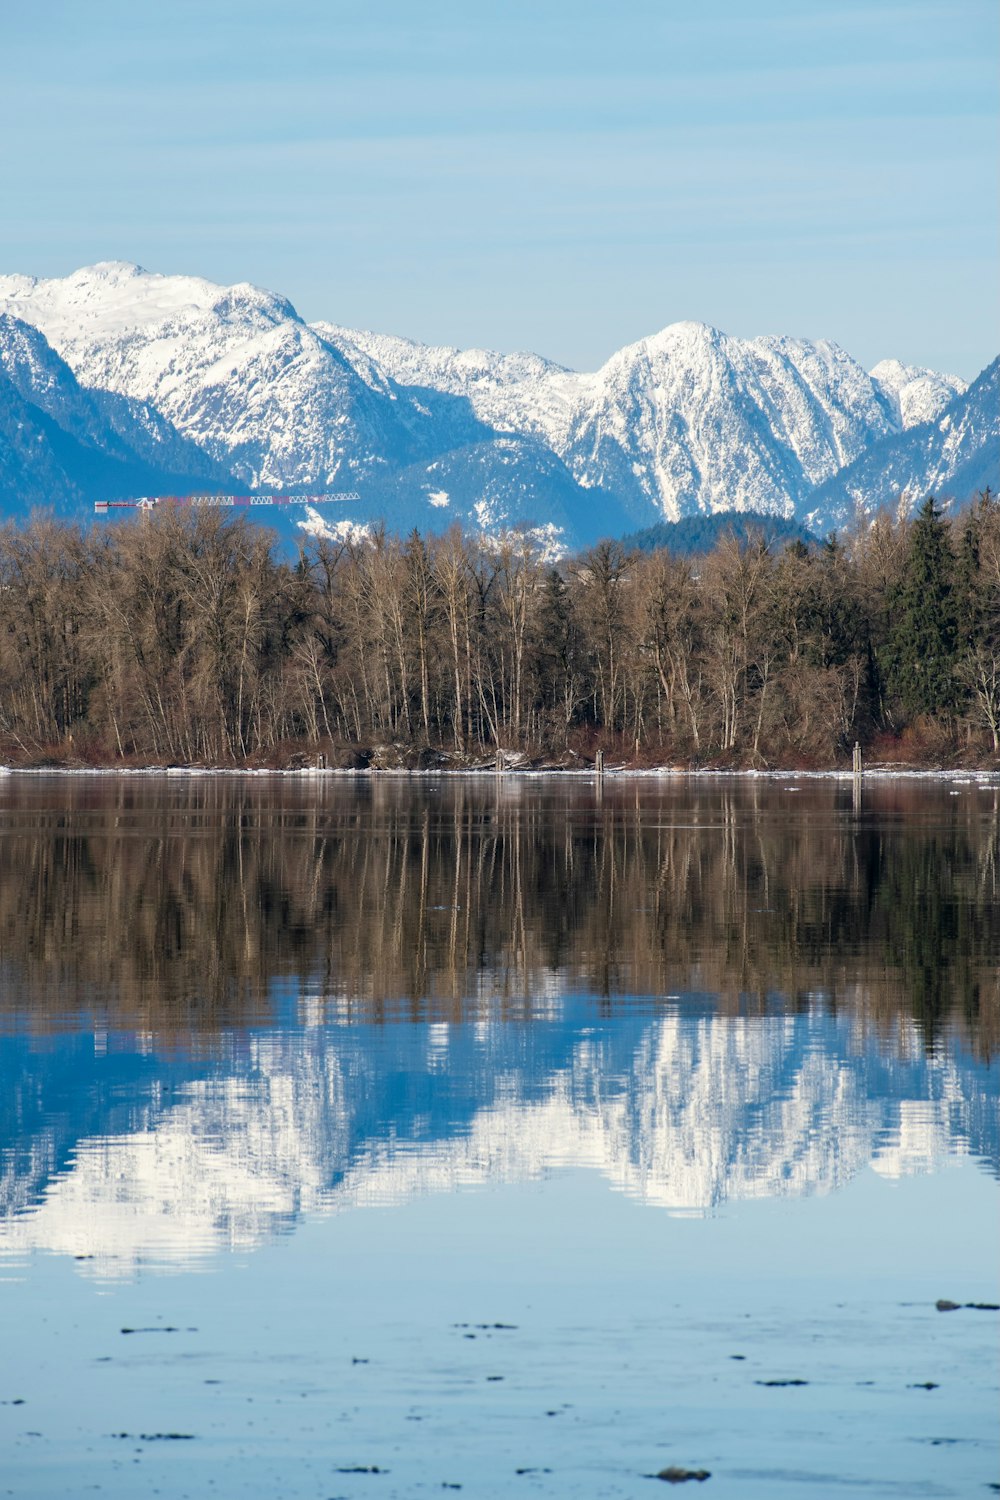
(881, 772)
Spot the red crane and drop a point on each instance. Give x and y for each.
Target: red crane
(149, 502)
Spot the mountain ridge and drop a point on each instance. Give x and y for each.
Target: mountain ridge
(953, 456)
(686, 421)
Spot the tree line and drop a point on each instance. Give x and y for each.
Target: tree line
(185, 638)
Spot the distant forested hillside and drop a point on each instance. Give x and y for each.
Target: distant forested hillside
(693, 536)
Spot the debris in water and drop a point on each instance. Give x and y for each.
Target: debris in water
(155, 1437)
(488, 1327)
(676, 1475)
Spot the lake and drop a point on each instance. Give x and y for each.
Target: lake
(388, 1137)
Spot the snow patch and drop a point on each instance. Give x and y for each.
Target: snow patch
(317, 525)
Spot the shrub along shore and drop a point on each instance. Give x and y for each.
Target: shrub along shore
(183, 638)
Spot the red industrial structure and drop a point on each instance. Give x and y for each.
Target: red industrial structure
(148, 502)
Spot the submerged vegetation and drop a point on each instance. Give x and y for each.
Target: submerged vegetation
(184, 638)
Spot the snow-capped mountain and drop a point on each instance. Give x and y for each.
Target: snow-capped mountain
(697, 420)
(233, 368)
(238, 373)
(954, 456)
(917, 395)
(683, 1112)
(689, 420)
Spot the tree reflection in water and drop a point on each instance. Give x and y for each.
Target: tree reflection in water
(177, 905)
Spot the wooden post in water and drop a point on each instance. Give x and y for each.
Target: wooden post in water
(857, 759)
(321, 761)
(599, 764)
(499, 765)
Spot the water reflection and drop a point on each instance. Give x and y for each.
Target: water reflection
(704, 991)
(177, 906)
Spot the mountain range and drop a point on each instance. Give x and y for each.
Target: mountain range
(115, 380)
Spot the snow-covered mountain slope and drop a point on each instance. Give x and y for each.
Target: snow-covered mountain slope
(120, 426)
(233, 368)
(62, 446)
(490, 486)
(687, 420)
(238, 372)
(521, 393)
(916, 395)
(952, 457)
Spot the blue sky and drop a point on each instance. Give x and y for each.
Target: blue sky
(560, 177)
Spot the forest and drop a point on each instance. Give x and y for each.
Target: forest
(185, 638)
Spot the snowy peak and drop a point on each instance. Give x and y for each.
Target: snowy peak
(115, 297)
(693, 419)
(234, 368)
(915, 395)
(686, 340)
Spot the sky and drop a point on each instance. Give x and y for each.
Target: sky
(537, 174)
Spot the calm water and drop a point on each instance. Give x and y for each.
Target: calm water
(502, 1134)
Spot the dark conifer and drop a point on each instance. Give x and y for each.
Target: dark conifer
(923, 630)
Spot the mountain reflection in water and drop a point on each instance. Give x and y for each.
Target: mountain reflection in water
(703, 989)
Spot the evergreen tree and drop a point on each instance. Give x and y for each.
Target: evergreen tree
(923, 630)
(559, 653)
